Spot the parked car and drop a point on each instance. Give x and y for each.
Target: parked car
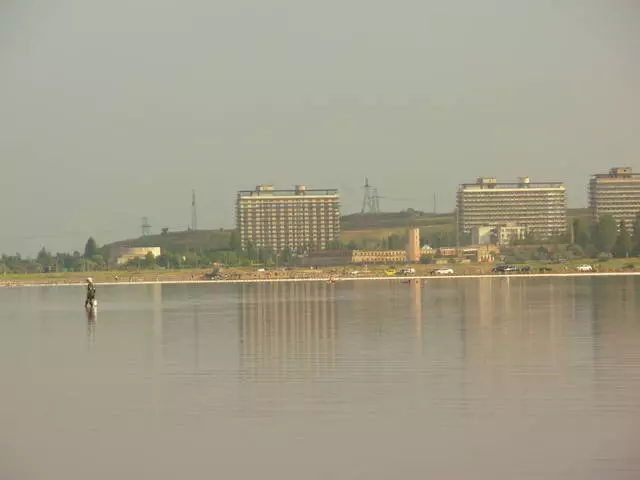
(504, 269)
(407, 271)
(584, 268)
(444, 271)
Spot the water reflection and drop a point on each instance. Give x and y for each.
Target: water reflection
(487, 367)
(287, 329)
(91, 329)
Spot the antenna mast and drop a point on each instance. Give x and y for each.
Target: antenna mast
(371, 199)
(194, 213)
(145, 227)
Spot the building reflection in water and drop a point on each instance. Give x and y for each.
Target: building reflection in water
(158, 331)
(505, 337)
(614, 320)
(287, 329)
(91, 330)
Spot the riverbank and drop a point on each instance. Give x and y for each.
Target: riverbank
(196, 277)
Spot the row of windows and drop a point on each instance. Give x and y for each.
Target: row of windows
(514, 196)
(511, 218)
(500, 201)
(286, 218)
(513, 211)
(288, 206)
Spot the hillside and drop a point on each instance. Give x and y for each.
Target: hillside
(393, 220)
(179, 241)
(364, 229)
(578, 213)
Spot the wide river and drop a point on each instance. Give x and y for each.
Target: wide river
(449, 379)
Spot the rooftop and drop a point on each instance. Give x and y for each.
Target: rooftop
(298, 190)
(617, 173)
(490, 183)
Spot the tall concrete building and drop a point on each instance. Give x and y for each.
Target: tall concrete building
(278, 219)
(616, 193)
(541, 208)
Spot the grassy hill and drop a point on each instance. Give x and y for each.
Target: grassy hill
(389, 220)
(179, 241)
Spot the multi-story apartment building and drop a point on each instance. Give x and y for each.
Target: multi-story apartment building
(541, 208)
(295, 219)
(616, 193)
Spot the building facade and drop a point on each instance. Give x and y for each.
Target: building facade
(540, 208)
(334, 258)
(297, 219)
(617, 194)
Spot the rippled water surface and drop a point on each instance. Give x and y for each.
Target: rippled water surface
(449, 379)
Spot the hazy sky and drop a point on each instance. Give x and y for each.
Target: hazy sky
(114, 110)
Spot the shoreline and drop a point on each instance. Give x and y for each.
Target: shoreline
(324, 279)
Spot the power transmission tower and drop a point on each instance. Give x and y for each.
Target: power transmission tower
(371, 199)
(194, 213)
(145, 227)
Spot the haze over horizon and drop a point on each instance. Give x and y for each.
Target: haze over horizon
(115, 110)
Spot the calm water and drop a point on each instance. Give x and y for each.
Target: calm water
(452, 379)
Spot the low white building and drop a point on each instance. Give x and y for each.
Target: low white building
(124, 255)
(502, 235)
(483, 235)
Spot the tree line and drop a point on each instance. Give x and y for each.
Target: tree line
(606, 237)
(95, 258)
(585, 239)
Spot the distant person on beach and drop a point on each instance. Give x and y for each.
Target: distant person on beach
(91, 293)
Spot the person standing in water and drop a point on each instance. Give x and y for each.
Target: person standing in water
(91, 293)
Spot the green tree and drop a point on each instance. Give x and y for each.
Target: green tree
(575, 251)
(286, 255)
(426, 258)
(581, 234)
(623, 245)
(334, 245)
(636, 236)
(265, 255)
(234, 241)
(543, 253)
(90, 248)
(252, 252)
(44, 258)
(352, 245)
(149, 260)
(395, 242)
(98, 259)
(606, 234)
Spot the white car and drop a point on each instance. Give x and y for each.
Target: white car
(444, 271)
(584, 268)
(407, 271)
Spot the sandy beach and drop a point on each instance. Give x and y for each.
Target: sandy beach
(320, 277)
